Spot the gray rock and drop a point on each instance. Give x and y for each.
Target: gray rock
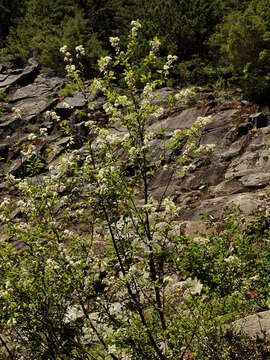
(11, 122)
(256, 180)
(25, 75)
(227, 187)
(81, 130)
(249, 163)
(162, 95)
(255, 326)
(30, 108)
(181, 121)
(209, 175)
(215, 132)
(233, 151)
(76, 101)
(3, 77)
(97, 103)
(42, 87)
(17, 167)
(159, 150)
(247, 203)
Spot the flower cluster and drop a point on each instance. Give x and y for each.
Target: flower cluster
(71, 68)
(80, 51)
(30, 151)
(52, 115)
(122, 101)
(97, 86)
(206, 148)
(67, 55)
(155, 45)
(103, 63)
(4, 203)
(130, 78)
(136, 25)
(148, 94)
(170, 60)
(115, 43)
(63, 49)
(185, 96)
(32, 136)
(203, 121)
(43, 131)
(159, 111)
(17, 112)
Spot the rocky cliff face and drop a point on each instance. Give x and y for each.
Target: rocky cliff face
(237, 172)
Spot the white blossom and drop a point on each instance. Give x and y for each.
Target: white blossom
(63, 49)
(170, 60)
(73, 313)
(43, 131)
(202, 121)
(103, 63)
(31, 150)
(5, 202)
(80, 50)
(136, 25)
(158, 112)
(89, 123)
(97, 85)
(122, 100)
(184, 96)
(129, 78)
(17, 112)
(70, 68)
(66, 105)
(115, 43)
(52, 115)
(231, 259)
(189, 167)
(108, 108)
(32, 136)
(155, 44)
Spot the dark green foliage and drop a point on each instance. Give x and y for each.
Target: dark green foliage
(9, 10)
(244, 43)
(3, 97)
(43, 29)
(214, 40)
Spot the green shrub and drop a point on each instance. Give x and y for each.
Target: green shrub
(244, 39)
(2, 111)
(104, 272)
(67, 90)
(3, 97)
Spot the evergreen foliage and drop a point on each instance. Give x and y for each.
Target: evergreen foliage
(214, 40)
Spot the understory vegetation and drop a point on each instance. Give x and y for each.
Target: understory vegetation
(103, 271)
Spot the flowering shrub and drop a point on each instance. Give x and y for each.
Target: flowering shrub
(103, 272)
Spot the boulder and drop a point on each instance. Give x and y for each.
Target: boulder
(21, 76)
(247, 202)
(255, 326)
(161, 95)
(182, 120)
(76, 101)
